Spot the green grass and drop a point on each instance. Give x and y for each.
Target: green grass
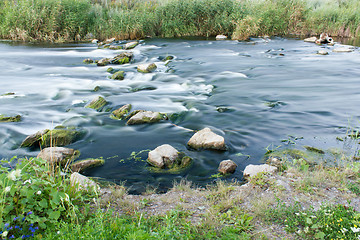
(73, 20)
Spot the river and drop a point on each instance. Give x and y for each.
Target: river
(254, 93)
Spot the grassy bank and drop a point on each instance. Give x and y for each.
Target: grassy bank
(73, 20)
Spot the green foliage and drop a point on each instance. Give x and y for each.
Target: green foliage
(328, 222)
(32, 186)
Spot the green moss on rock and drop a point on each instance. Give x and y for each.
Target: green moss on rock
(3, 118)
(98, 103)
(60, 137)
(119, 75)
(82, 165)
(121, 113)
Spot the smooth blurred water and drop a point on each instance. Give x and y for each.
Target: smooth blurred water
(315, 97)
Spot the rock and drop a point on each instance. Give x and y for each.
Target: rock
(88, 61)
(121, 113)
(146, 67)
(82, 165)
(97, 103)
(94, 41)
(119, 75)
(310, 39)
(146, 117)
(206, 139)
(324, 39)
(60, 136)
(343, 49)
(221, 37)
(8, 94)
(115, 47)
(122, 58)
(275, 161)
(103, 62)
(80, 182)
(59, 155)
(3, 118)
(252, 170)
(96, 89)
(227, 166)
(109, 40)
(131, 45)
(34, 139)
(166, 156)
(166, 58)
(322, 52)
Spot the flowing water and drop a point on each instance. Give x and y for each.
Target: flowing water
(253, 93)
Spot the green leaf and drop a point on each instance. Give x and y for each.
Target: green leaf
(308, 221)
(54, 215)
(319, 235)
(43, 203)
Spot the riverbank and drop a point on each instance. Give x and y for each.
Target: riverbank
(301, 201)
(76, 20)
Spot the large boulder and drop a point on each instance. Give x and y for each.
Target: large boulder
(3, 118)
(207, 139)
(58, 155)
(80, 166)
(227, 166)
(122, 58)
(146, 117)
(310, 39)
(343, 49)
(119, 75)
(121, 113)
(146, 67)
(252, 170)
(221, 37)
(82, 183)
(130, 45)
(166, 156)
(60, 136)
(110, 40)
(97, 103)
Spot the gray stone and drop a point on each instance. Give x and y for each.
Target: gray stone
(207, 139)
(109, 40)
(58, 155)
(163, 156)
(310, 39)
(343, 49)
(252, 170)
(146, 117)
(130, 45)
(80, 182)
(221, 37)
(146, 67)
(227, 166)
(103, 62)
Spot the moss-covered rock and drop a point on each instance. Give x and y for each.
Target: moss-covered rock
(34, 140)
(119, 75)
(122, 58)
(121, 113)
(59, 155)
(80, 166)
(146, 117)
(146, 68)
(88, 61)
(110, 70)
(97, 103)
(61, 137)
(115, 47)
(103, 62)
(130, 45)
(3, 118)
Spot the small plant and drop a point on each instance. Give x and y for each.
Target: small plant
(19, 228)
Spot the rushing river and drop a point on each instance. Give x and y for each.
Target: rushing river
(254, 93)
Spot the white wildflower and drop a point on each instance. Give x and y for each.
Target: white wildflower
(11, 175)
(344, 230)
(4, 234)
(18, 173)
(38, 192)
(7, 189)
(297, 214)
(58, 232)
(27, 181)
(354, 229)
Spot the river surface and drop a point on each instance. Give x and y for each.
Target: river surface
(255, 94)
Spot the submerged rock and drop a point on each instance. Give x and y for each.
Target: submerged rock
(3, 118)
(88, 61)
(82, 165)
(82, 183)
(227, 166)
(121, 113)
(130, 45)
(166, 58)
(103, 62)
(221, 37)
(59, 155)
(119, 75)
(343, 49)
(322, 52)
(166, 156)
(33, 140)
(207, 139)
(146, 67)
(97, 103)
(110, 40)
(115, 47)
(310, 39)
(122, 58)
(252, 170)
(146, 117)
